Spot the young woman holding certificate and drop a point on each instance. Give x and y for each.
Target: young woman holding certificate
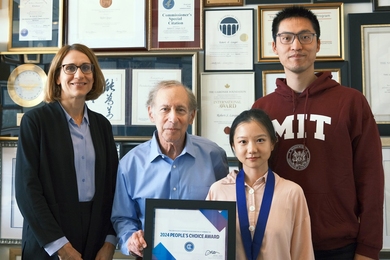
(272, 216)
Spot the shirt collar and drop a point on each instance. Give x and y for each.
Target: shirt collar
(155, 150)
(70, 119)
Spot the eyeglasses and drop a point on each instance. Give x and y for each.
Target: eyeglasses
(288, 38)
(71, 69)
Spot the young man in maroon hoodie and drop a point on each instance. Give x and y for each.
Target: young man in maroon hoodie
(328, 143)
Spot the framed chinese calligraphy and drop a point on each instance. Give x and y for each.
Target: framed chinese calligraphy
(35, 25)
(111, 104)
(129, 78)
(175, 25)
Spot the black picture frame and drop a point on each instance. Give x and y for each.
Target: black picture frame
(377, 7)
(343, 1)
(255, 2)
(356, 21)
(323, 65)
(11, 219)
(186, 61)
(153, 205)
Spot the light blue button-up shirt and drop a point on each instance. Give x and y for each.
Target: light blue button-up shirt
(84, 161)
(145, 172)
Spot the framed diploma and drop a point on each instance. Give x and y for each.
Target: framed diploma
(11, 218)
(266, 75)
(15, 253)
(143, 80)
(175, 25)
(223, 97)
(329, 16)
(138, 72)
(228, 40)
(108, 24)
(250, 2)
(212, 3)
(369, 36)
(386, 208)
(344, 1)
(381, 5)
(190, 229)
(35, 25)
(111, 103)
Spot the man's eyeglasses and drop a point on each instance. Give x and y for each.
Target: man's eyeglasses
(71, 69)
(288, 38)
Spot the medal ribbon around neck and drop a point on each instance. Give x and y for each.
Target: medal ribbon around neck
(252, 248)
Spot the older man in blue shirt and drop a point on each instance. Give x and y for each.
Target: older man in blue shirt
(172, 165)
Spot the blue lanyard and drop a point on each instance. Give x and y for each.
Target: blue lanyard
(252, 248)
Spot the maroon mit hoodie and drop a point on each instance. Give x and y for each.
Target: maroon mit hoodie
(330, 145)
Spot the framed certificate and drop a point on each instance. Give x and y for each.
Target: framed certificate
(344, 1)
(190, 229)
(329, 16)
(138, 72)
(380, 5)
(228, 40)
(175, 25)
(107, 24)
(223, 97)
(15, 253)
(386, 208)
(142, 81)
(35, 25)
(369, 37)
(266, 74)
(251, 2)
(11, 218)
(211, 3)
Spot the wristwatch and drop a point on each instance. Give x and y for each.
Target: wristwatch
(26, 84)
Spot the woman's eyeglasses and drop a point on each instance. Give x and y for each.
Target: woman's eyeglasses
(71, 69)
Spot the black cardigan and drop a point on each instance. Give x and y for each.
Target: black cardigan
(46, 185)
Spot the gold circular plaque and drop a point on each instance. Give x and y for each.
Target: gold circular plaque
(26, 84)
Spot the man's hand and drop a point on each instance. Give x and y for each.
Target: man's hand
(67, 252)
(136, 243)
(106, 252)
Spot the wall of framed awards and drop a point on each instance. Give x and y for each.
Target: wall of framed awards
(212, 46)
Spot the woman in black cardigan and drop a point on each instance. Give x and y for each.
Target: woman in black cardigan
(66, 165)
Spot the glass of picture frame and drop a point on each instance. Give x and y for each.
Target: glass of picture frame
(330, 15)
(30, 32)
(213, 3)
(109, 25)
(142, 70)
(175, 25)
(368, 62)
(11, 221)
